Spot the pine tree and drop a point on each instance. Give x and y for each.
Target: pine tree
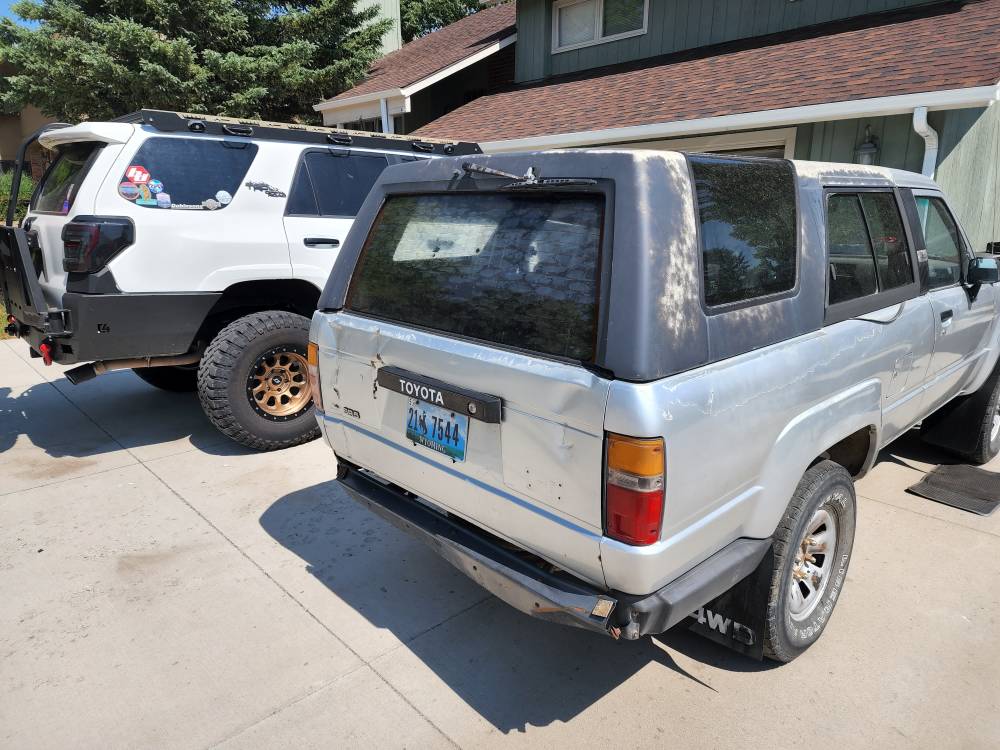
(97, 59)
(419, 17)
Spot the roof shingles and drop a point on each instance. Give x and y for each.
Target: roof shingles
(901, 54)
(427, 55)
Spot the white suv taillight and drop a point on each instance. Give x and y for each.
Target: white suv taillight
(633, 500)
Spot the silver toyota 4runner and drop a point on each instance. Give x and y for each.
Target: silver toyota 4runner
(617, 388)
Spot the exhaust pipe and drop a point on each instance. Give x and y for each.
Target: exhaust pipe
(90, 371)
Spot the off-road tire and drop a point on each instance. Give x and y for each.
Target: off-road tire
(826, 486)
(987, 436)
(176, 379)
(226, 366)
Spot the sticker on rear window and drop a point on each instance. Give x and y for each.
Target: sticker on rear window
(128, 190)
(155, 186)
(137, 174)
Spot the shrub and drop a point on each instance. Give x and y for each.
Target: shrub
(23, 194)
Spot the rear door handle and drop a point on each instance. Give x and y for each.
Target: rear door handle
(946, 317)
(320, 242)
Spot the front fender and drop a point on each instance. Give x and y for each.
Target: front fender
(804, 439)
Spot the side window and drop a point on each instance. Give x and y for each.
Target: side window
(341, 183)
(867, 247)
(302, 198)
(749, 234)
(944, 244)
(186, 173)
(852, 262)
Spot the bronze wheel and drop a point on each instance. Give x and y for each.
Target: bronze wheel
(277, 386)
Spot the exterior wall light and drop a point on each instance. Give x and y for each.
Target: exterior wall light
(867, 152)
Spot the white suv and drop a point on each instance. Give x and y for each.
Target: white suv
(193, 249)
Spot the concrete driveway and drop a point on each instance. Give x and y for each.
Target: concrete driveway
(161, 587)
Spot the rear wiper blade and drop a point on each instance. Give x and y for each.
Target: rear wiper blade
(531, 178)
(549, 182)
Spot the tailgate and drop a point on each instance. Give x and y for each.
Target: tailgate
(534, 477)
(457, 369)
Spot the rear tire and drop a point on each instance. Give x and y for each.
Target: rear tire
(176, 379)
(252, 381)
(812, 549)
(988, 431)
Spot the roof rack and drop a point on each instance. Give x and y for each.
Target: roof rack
(174, 122)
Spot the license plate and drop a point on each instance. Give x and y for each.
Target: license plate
(439, 429)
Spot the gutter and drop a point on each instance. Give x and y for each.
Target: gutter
(981, 96)
(930, 136)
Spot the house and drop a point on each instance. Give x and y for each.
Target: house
(13, 130)
(901, 83)
(430, 76)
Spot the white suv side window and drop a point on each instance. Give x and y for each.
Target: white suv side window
(331, 184)
(186, 173)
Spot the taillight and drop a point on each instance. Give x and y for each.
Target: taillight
(89, 242)
(312, 366)
(633, 508)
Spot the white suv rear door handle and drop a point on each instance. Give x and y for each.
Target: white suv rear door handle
(320, 242)
(947, 317)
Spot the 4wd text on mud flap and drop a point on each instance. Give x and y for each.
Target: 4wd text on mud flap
(721, 624)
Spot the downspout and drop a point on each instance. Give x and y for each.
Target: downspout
(930, 136)
(383, 104)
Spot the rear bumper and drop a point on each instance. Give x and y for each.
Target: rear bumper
(122, 326)
(558, 597)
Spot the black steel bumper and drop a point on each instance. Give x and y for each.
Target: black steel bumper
(121, 326)
(91, 327)
(557, 597)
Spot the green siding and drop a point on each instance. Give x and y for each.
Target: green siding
(969, 170)
(900, 146)
(677, 25)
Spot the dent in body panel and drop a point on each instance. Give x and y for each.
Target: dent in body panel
(548, 446)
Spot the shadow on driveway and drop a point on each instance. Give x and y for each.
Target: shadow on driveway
(120, 405)
(511, 669)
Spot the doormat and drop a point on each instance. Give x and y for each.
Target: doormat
(961, 486)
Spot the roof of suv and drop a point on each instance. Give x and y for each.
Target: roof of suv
(119, 130)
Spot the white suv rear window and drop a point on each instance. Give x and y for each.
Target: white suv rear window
(61, 183)
(517, 269)
(186, 173)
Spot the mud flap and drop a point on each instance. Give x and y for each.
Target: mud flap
(738, 618)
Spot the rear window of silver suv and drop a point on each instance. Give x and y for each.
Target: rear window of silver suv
(518, 270)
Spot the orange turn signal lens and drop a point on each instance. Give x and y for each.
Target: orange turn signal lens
(636, 456)
(312, 366)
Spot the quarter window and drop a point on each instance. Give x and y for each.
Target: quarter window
(329, 184)
(944, 244)
(868, 251)
(746, 210)
(186, 173)
(578, 23)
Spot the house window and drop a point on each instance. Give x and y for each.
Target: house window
(579, 23)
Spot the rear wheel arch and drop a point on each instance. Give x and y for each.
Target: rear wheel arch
(841, 429)
(246, 297)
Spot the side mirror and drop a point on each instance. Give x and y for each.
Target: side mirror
(983, 271)
(993, 248)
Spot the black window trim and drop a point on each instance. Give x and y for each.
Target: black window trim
(918, 230)
(88, 165)
(603, 187)
(391, 159)
(870, 303)
(729, 307)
